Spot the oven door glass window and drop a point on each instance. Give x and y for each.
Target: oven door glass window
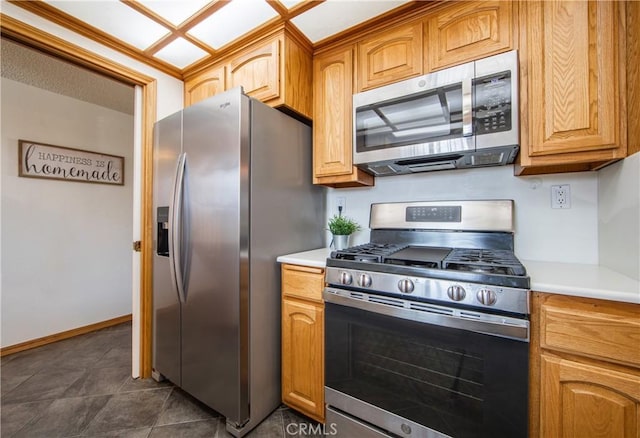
(423, 117)
(459, 383)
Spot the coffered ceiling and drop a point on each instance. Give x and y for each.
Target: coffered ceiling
(174, 35)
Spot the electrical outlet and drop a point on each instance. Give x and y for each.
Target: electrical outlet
(341, 201)
(561, 196)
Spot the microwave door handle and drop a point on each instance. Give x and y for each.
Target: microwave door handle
(446, 114)
(467, 108)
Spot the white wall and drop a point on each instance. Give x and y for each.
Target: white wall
(169, 100)
(619, 216)
(541, 233)
(66, 246)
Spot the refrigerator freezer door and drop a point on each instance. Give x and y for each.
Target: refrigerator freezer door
(166, 305)
(214, 314)
(287, 216)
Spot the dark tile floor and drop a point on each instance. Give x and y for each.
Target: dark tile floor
(82, 387)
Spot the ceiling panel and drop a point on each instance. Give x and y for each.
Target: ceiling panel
(175, 11)
(117, 19)
(334, 16)
(291, 3)
(232, 21)
(180, 53)
(173, 35)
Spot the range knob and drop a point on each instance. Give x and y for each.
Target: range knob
(486, 297)
(346, 278)
(406, 286)
(456, 293)
(364, 280)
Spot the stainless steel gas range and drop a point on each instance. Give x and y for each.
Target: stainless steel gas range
(427, 326)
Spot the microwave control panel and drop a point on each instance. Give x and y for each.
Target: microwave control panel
(492, 103)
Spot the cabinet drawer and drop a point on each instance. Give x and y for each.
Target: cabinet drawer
(599, 329)
(303, 282)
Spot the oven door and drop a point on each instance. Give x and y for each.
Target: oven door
(418, 370)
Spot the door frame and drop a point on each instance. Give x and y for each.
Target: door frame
(33, 37)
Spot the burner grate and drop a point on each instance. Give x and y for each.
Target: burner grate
(369, 252)
(491, 261)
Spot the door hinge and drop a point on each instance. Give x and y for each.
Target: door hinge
(137, 246)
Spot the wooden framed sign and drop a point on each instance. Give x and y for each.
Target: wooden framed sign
(39, 160)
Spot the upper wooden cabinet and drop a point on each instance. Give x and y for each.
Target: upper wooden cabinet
(257, 70)
(390, 56)
(332, 118)
(276, 70)
(573, 85)
(433, 37)
(633, 76)
(207, 84)
(464, 31)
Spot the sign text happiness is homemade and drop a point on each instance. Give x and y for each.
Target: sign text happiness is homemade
(38, 160)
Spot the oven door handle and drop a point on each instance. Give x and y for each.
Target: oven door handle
(494, 325)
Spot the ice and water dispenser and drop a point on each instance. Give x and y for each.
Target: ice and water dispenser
(162, 219)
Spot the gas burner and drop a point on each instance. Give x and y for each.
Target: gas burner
(490, 261)
(480, 269)
(369, 252)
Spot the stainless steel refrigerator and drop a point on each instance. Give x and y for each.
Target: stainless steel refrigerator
(232, 191)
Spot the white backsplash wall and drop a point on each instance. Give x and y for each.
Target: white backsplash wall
(541, 233)
(619, 216)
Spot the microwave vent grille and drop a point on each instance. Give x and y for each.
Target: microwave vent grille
(487, 159)
(382, 170)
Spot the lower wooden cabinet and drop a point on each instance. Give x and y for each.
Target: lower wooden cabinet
(585, 368)
(588, 400)
(303, 340)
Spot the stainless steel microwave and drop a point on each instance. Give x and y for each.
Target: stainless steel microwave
(463, 116)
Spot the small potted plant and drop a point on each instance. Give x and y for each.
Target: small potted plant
(342, 227)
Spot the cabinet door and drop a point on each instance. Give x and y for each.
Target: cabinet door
(332, 98)
(257, 71)
(466, 31)
(582, 400)
(332, 119)
(206, 84)
(575, 82)
(389, 57)
(303, 356)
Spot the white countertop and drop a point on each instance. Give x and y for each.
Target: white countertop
(316, 258)
(591, 281)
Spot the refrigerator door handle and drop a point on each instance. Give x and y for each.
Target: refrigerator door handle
(175, 229)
